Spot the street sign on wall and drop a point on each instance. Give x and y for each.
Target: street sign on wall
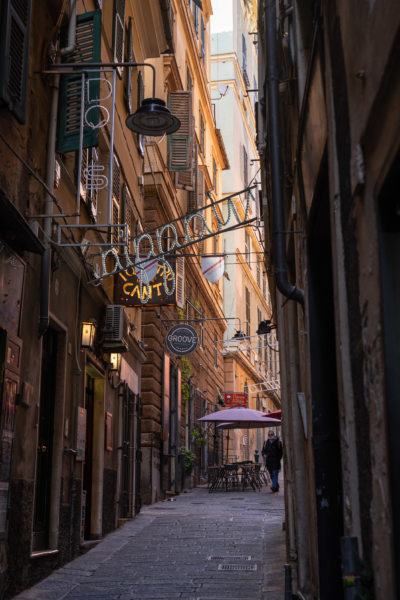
(236, 399)
(182, 339)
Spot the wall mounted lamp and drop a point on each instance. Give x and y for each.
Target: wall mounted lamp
(239, 335)
(265, 327)
(88, 333)
(151, 118)
(115, 362)
(114, 370)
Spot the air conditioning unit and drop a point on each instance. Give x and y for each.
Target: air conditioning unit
(113, 332)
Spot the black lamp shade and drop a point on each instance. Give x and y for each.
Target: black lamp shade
(153, 118)
(264, 327)
(239, 335)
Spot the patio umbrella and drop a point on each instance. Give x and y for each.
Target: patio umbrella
(264, 422)
(244, 418)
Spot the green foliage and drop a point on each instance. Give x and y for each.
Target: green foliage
(188, 458)
(198, 437)
(186, 370)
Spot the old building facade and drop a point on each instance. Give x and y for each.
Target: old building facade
(95, 408)
(249, 359)
(328, 139)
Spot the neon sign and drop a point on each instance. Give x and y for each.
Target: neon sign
(167, 235)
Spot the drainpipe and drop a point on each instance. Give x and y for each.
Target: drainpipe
(45, 274)
(288, 290)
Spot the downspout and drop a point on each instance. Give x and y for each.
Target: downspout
(288, 290)
(45, 274)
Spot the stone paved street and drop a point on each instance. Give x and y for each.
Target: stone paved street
(195, 546)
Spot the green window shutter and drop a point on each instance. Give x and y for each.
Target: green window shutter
(14, 55)
(88, 40)
(128, 74)
(180, 143)
(119, 30)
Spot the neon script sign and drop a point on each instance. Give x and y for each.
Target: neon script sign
(165, 240)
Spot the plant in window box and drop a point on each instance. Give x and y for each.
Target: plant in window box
(198, 437)
(188, 458)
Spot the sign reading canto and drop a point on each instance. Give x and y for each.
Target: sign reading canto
(182, 340)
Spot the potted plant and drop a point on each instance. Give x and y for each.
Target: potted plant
(188, 458)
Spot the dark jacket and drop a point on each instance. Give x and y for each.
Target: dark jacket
(272, 452)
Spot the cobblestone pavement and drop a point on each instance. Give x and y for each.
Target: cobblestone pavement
(197, 546)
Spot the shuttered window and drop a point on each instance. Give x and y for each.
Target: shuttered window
(116, 196)
(14, 55)
(247, 295)
(202, 39)
(90, 179)
(202, 133)
(186, 180)
(245, 165)
(88, 28)
(127, 214)
(180, 143)
(200, 198)
(180, 282)
(128, 74)
(119, 32)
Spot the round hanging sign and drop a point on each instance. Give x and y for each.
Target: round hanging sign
(182, 340)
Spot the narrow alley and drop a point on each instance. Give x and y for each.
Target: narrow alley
(194, 546)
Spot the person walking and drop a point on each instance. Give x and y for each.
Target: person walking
(272, 452)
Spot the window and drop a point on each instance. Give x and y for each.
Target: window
(128, 72)
(119, 32)
(202, 39)
(92, 179)
(127, 215)
(247, 248)
(14, 55)
(215, 350)
(189, 82)
(179, 144)
(88, 29)
(264, 284)
(258, 269)
(245, 167)
(247, 296)
(202, 134)
(196, 19)
(116, 196)
(215, 176)
(244, 53)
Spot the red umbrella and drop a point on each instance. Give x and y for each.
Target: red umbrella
(276, 414)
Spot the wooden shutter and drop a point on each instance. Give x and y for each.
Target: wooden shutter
(119, 31)
(89, 180)
(116, 196)
(14, 55)
(202, 38)
(127, 213)
(200, 200)
(128, 76)
(180, 143)
(180, 282)
(186, 180)
(88, 29)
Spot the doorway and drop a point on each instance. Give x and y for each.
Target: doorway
(41, 522)
(325, 411)
(93, 467)
(389, 242)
